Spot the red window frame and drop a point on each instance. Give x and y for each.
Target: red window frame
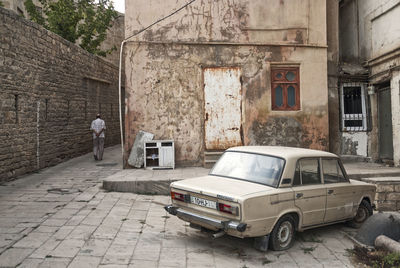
(284, 83)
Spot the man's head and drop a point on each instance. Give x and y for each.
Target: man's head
(98, 115)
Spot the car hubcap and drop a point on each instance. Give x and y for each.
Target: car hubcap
(285, 233)
(361, 214)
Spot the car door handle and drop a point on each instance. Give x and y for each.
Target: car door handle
(330, 191)
(298, 195)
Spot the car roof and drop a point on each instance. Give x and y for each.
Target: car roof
(283, 152)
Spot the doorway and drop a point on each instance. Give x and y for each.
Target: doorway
(385, 124)
(222, 108)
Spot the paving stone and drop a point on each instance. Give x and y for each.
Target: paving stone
(63, 232)
(126, 238)
(65, 213)
(113, 266)
(55, 263)
(32, 240)
(30, 263)
(68, 248)
(46, 248)
(200, 258)
(55, 222)
(118, 254)
(146, 252)
(75, 220)
(14, 256)
(143, 263)
(47, 229)
(95, 247)
(7, 240)
(82, 232)
(129, 230)
(85, 261)
(173, 257)
(303, 259)
(5, 230)
(106, 232)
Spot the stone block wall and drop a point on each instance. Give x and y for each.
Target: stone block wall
(387, 196)
(50, 91)
(115, 36)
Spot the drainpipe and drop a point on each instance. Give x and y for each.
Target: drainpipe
(120, 104)
(120, 66)
(37, 136)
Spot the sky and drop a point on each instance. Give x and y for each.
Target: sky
(119, 5)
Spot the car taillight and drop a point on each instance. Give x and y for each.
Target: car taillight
(177, 196)
(227, 208)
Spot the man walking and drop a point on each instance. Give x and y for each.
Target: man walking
(97, 127)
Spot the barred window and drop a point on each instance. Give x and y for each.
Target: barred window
(353, 107)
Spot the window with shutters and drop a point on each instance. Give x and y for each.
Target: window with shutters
(285, 88)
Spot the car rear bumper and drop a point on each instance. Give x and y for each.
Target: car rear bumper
(190, 216)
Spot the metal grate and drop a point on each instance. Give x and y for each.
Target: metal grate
(353, 107)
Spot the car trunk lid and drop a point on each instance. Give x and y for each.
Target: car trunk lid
(220, 187)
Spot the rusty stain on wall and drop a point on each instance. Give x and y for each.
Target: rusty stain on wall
(165, 83)
(222, 108)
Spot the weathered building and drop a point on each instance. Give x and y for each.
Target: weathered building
(115, 35)
(17, 6)
(223, 73)
(50, 91)
(368, 81)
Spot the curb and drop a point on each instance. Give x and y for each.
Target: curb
(160, 187)
(373, 175)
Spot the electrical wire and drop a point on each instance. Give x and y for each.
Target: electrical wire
(173, 13)
(120, 67)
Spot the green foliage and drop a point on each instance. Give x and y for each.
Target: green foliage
(389, 260)
(1, 4)
(79, 21)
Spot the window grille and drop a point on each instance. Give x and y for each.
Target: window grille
(353, 107)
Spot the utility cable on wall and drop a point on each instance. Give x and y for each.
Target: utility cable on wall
(120, 66)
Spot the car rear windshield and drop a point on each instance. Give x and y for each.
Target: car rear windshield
(251, 167)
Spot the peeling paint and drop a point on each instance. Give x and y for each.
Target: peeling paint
(165, 82)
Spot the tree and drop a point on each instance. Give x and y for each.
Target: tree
(80, 21)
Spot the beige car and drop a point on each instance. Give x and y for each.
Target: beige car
(269, 192)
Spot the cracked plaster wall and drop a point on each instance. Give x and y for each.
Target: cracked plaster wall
(283, 21)
(164, 86)
(165, 96)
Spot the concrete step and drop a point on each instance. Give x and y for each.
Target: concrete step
(355, 158)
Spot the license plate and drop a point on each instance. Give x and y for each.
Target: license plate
(203, 202)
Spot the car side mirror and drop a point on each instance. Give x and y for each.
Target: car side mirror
(287, 181)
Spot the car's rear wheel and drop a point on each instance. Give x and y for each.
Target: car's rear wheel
(282, 236)
(364, 211)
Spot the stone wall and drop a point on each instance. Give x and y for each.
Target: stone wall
(50, 91)
(387, 196)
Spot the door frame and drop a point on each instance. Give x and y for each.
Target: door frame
(379, 92)
(203, 68)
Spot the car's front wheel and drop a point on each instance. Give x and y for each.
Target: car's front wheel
(364, 211)
(282, 236)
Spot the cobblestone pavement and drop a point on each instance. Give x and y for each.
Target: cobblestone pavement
(60, 217)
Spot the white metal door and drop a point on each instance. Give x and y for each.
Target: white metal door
(222, 109)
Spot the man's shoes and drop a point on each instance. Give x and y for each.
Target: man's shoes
(95, 158)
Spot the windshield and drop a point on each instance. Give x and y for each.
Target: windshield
(256, 168)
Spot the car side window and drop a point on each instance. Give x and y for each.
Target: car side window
(310, 171)
(332, 171)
